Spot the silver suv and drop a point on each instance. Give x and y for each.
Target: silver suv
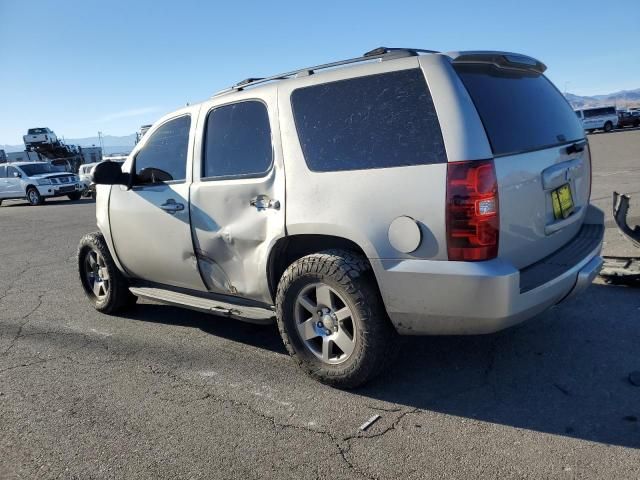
(403, 192)
(37, 181)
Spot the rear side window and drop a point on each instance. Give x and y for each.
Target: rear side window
(377, 121)
(164, 156)
(238, 141)
(598, 112)
(520, 112)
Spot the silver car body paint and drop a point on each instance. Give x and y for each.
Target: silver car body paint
(232, 237)
(221, 243)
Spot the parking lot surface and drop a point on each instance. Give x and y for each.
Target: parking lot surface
(169, 393)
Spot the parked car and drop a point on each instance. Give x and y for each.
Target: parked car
(36, 181)
(39, 136)
(402, 192)
(628, 119)
(86, 176)
(598, 118)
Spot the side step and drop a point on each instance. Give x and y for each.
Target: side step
(251, 314)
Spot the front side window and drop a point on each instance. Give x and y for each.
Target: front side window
(12, 171)
(377, 121)
(164, 156)
(237, 141)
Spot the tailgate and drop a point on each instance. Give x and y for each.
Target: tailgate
(540, 153)
(529, 229)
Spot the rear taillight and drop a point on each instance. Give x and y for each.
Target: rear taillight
(473, 220)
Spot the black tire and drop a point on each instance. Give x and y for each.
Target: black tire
(117, 296)
(590, 131)
(349, 276)
(33, 196)
(75, 196)
(608, 127)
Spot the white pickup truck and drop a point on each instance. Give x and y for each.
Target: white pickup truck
(39, 136)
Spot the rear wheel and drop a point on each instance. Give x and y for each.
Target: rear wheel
(34, 197)
(608, 127)
(332, 319)
(104, 285)
(75, 196)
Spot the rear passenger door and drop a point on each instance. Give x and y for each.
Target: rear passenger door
(237, 196)
(3, 181)
(150, 221)
(13, 183)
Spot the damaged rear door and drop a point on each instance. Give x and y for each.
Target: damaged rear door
(237, 196)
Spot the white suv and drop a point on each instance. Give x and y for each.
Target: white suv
(36, 181)
(402, 192)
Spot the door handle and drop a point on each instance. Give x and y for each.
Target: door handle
(171, 206)
(262, 202)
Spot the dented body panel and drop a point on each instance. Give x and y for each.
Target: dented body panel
(233, 225)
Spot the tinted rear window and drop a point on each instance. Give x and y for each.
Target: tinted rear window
(377, 121)
(520, 112)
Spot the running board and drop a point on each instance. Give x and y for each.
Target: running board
(261, 316)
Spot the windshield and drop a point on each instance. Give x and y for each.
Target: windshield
(520, 111)
(32, 169)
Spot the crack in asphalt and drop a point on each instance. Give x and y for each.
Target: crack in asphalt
(26, 319)
(342, 444)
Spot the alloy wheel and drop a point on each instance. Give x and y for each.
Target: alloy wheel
(96, 274)
(325, 323)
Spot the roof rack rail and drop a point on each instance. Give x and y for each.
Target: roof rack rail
(377, 53)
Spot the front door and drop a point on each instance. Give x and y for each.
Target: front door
(237, 196)
(13, 184)
(150, 221)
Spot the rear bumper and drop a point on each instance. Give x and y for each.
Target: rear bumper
(462, 298)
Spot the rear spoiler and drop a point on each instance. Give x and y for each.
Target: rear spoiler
(505, 60)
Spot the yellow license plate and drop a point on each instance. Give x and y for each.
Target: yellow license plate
(562, 201)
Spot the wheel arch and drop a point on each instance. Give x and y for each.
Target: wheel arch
(290, 248)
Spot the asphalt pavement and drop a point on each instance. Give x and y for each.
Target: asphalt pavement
(167, 393)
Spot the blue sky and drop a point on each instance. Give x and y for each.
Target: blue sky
(83, 66)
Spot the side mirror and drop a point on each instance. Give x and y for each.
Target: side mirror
(110, 173)
(17, 175)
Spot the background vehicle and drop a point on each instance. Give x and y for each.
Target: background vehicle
(628, 119)
(39, 136)
(86, 175)
(444, 193)
(598, 118)
(36, 181)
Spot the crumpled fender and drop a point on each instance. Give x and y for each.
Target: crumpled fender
(620, 211)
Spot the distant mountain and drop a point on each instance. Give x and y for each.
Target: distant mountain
(621, 99)
(112, 144)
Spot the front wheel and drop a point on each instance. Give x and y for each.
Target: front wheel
(34, 197)
(332, 319)
(104, 285)
(75, 196)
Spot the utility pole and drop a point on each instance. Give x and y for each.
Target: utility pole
(100, 140)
